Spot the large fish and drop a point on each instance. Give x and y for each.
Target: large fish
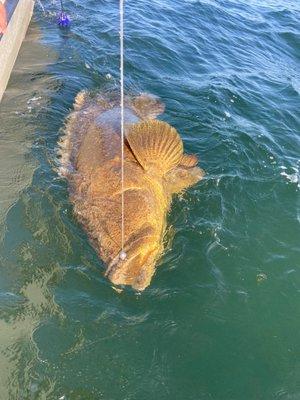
(155, 168)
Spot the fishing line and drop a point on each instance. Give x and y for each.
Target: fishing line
(42, 7)
(122, 253)
(63, 19)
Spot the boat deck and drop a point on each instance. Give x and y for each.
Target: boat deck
(19, 13)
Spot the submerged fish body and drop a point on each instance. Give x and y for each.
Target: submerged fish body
(154, 169)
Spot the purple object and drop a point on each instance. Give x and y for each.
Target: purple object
(63, 20)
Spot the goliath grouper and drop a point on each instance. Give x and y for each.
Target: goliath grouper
(155, 168)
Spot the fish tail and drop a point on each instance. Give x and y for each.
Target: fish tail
(147, 106)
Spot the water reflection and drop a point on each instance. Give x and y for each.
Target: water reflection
(21, 314)
(26, 97)
(25, 299)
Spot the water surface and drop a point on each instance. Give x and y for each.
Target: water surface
(221, 318)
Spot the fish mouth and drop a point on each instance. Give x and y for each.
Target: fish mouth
(137, 269)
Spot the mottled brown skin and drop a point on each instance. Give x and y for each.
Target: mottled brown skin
(92, 165)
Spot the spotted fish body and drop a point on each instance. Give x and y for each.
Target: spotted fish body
(154, 169)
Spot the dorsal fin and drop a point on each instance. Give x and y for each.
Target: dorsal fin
(81, 99)
(156, 145)
(148, 106)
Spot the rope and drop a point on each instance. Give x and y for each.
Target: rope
(122, 254)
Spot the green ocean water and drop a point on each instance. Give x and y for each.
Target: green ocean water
(221, 320)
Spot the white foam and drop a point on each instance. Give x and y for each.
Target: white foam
(293, 178)
(296, 85)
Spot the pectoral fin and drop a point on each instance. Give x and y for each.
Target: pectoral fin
(148, 106)
(189, 160)
(156, 145)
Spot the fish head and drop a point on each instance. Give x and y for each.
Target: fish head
(137, 266)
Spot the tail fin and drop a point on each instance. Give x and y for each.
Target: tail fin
(148, 106)
(156, 145)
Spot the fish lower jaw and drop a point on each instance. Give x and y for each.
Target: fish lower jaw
(138, 282)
